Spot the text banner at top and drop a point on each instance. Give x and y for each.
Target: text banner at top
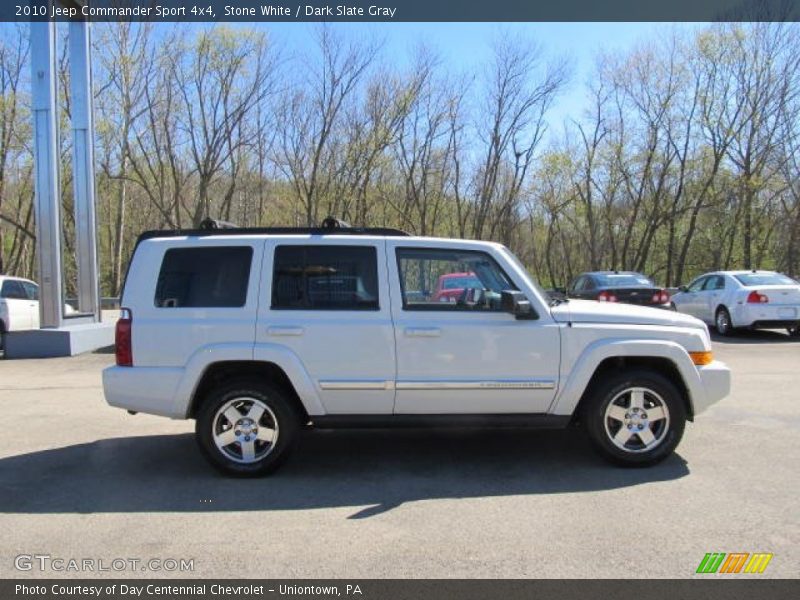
(210, 11)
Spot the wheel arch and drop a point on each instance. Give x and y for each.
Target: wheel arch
(724, 306)
(663, 356)
(618, 364)
(222, 372)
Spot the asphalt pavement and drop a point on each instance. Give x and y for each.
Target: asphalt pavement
(80, 480)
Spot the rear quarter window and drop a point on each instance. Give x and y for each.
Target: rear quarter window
(213, 277)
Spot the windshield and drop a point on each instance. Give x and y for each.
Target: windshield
(619, 280)
(753, 279)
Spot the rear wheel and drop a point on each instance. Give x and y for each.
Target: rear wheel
(635, 418)
(722, 321)
(246, 428)
(794, 330)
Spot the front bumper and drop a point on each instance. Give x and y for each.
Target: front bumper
(716, 379)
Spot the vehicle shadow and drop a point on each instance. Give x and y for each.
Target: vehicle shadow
(370, 470)
(758, 336)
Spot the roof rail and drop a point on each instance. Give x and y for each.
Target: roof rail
(213, 227)
(208, 224)
(334, 223)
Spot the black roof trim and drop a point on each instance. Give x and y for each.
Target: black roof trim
(343, 231)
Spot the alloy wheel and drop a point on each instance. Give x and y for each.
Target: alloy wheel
(637, 420)
(245, 430)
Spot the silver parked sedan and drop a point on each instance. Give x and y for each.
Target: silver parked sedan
(742, 299)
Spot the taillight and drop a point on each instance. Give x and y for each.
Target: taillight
(606, 297)
(661, 297)
(122, 339)
(756, 298)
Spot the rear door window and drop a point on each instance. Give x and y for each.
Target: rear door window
(212, 277)
(325, 278)
(31, 289)
(715, 282)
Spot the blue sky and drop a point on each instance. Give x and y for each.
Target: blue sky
(464, 47)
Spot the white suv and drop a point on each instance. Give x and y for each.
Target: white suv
(257, 333)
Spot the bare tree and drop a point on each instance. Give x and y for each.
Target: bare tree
(221, 81)
(13, 56)
(308, 120)
(521, 89)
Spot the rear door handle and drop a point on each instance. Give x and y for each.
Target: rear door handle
(423, 331)
(285, 330)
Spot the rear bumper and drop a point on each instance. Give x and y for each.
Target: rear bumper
(144, 389)
(716, 379)
(766, 316)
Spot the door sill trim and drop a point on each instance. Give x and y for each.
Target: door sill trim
(511, 420)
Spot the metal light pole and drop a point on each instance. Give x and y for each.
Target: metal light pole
(46, 157)
(83, 167)
(45, 152)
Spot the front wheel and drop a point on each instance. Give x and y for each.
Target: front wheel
(246, 428)
(635, 418)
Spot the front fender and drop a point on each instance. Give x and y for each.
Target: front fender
(595, 353)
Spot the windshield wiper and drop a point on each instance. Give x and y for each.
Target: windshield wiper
(557, 301)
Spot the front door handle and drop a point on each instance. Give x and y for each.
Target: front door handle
(285, 330)
(423, 331)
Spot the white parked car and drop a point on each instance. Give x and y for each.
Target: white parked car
(742, 299)
(257, 333)
(19, 304)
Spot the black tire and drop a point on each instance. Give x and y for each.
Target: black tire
(722, 322)
(601, 428)
(279, 415)
(793, 331)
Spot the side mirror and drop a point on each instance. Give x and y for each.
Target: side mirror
(515, 302)
(683, 288)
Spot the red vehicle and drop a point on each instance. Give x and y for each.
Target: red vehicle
(450, 287)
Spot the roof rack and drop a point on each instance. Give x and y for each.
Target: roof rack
(214, 227)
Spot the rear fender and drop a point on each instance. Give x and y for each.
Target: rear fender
(272, 353)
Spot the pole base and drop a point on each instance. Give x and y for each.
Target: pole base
(63, 341)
